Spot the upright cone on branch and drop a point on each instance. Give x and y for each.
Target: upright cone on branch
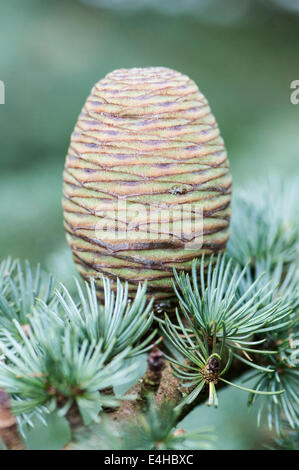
(146, 182)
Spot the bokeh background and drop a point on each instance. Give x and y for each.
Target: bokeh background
(243, 54)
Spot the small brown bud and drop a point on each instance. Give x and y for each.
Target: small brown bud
(211, 370)
(214, 364)
(155, 360)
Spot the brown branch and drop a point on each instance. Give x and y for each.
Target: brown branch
(169, 388)
(8, 427)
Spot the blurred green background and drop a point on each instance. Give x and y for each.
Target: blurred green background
(243, 54)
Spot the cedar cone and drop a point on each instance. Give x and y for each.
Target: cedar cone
(145, 145)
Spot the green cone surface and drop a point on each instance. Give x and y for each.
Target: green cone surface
(147, 137)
